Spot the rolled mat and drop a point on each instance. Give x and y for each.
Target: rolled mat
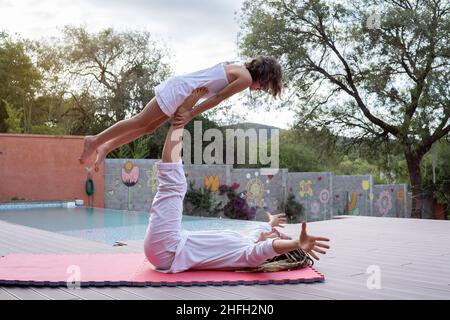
(127, 269)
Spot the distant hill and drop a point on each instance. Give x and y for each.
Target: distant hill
(250, 125)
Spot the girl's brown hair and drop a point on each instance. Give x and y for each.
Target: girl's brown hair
(266, 71)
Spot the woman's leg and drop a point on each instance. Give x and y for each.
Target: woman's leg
(149, 116)
(164, 232)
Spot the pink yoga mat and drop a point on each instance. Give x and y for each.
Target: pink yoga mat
(126, 269)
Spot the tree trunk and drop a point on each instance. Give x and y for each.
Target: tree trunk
(413, 161)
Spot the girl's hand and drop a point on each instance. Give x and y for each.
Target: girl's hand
(181, 119)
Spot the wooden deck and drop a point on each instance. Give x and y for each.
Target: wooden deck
(413, 257)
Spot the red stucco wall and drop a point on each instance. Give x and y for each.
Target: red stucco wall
(40, 167)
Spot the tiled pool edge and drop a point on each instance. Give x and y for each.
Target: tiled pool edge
(37, 205)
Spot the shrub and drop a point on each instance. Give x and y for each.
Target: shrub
(295, 211)
(17, 199)
(201, 202)
(237, 206)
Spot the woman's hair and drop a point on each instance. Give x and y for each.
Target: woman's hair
(292, 260)
(266, 71)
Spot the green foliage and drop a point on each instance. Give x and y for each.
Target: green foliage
(14, 119)
(138, 149)
(441, 188)
(356, 167)
(3, 117)
(298, 158)
(50, 130)
(202, 201)
(20, 80)
(121, 68)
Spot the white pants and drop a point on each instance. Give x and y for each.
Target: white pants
(171, 250)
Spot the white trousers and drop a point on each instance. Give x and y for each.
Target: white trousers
(171, 249)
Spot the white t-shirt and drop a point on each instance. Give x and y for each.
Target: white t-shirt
(171, 93)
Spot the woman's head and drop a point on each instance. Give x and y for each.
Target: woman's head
(266, 74)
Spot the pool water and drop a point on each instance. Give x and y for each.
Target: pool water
(107, 225)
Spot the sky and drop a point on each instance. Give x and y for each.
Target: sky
(199, 33)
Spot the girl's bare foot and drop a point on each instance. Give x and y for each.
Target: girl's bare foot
(88, 148)
(102, 152)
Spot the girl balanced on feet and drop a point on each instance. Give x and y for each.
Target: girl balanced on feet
(220, 82)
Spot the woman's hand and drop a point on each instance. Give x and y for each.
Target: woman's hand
(312, 244)
(181, 119)
(277, 219)
(263, 236)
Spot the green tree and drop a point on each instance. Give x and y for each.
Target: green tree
(19, 78)
(370, 69)
(3, 117)
(120, 69)
(14, 119)
(436, 172)
(297, 158)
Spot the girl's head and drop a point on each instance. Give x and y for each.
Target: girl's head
(266, 74)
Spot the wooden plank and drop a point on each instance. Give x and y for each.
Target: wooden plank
(152, 293)
(25, 293)
(216, 292)
(29, 238)
(160, 293)
(189, 294)
(117, 293)
(326, 292)
(22, 241)
(259, 292)
(359, 288)
(87, 294)
(4, 295)
(56, 294)
(285, 290)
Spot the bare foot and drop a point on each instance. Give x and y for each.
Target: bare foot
(102, 152)
(88, 148)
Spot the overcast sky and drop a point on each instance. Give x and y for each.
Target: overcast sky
(199, 33)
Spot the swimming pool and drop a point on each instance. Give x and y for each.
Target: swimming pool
(106, 225)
